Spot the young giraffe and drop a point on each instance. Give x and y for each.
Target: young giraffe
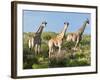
(35, 42)
(57, 41)
(77, 36)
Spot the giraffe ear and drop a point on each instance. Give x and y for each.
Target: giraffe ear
(87, 20)
(45, 22)
(67, 23)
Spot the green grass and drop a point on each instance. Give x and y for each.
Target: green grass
(67, 57)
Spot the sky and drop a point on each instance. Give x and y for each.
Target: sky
(55, 21)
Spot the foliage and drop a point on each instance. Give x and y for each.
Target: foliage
(67, 57)
(57, 60)
(48, 35)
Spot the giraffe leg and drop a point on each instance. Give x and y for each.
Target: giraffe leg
(32, 44)
(77, 43)
(39, 48)
(50, 50)
(59, 49)
(50, 45)
(29, 44)
(36, 46)
(59, 45)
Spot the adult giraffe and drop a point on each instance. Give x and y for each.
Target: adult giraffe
(57, 41)
(35, 42)
(77, 36)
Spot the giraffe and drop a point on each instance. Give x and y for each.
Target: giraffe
(57, 41)
(77, 36)
(35, 42)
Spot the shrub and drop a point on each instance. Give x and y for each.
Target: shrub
(81, 57)
(48, 35)
(28, 58)
(68, 45)
(57, 60)
(44, 50)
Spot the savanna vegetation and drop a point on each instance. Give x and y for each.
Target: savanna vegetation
(67, 58)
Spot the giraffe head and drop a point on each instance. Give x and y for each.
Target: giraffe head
(87, 21)
(66, 24)
(43, 23)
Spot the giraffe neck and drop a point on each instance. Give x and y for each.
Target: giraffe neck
(61, 35)
(39, 31)
(81, 30)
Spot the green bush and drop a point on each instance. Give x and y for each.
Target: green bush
(44, 50)
(28, 58)
(67, 58)
(48, 35)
